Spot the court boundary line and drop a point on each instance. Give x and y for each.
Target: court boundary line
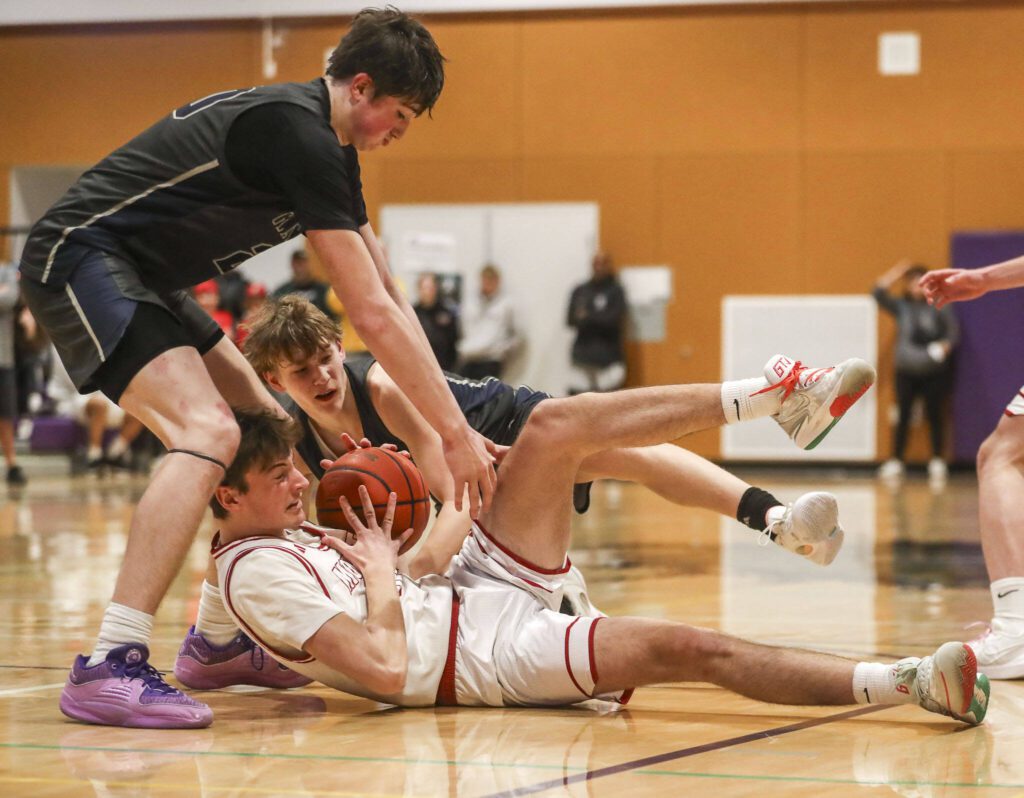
(637, 764)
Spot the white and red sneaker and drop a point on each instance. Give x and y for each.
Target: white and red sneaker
(814, 399)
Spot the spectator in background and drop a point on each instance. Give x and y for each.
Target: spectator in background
(232, 287)
(439, 319)
(304, 284)
(97, 414)
(597, 311)
(490, 331)
(255, 298)
(208, 296)
(8, 386)
(925, 339)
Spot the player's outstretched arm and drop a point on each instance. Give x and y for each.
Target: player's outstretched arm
(373, 653)
(962, 285)
(393, 340)
(451, 525)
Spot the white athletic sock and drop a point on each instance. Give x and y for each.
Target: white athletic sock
(213, 621)
(875, 683)
(739, 402)
(94, 453)
(1008, 600)
(121, 625)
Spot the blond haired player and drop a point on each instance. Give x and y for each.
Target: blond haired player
(489, 632)
(298, 350)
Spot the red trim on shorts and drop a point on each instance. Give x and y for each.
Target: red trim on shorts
(245, 627)
(522, 561)
(1008, 413)
(446, 687)
(568, 663)
(626, 694)
(590, 650)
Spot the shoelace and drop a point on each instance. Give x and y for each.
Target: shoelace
(152, 678)
(788, 384)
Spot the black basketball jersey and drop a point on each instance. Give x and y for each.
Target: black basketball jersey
(169, 202)
(493, 408)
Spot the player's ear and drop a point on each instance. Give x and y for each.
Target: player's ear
(270, 378)
(228, 497)
(361, 86)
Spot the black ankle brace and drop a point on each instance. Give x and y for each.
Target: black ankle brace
(754, 506)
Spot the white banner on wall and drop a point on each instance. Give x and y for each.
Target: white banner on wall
(818, 330)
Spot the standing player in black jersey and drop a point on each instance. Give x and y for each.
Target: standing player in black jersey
(296, 348)
(210, 185)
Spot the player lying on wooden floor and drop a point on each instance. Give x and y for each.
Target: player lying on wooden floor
(297, 350)
(489, 632)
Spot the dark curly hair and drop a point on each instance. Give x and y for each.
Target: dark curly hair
(396, 51)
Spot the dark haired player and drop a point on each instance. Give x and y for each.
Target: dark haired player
(488, 631)
(207, 187)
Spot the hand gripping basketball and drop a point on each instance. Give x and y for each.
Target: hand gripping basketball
(382, 472)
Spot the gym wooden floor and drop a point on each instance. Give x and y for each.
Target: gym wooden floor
(911, 576)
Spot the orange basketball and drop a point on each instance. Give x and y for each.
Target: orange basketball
(382, 472)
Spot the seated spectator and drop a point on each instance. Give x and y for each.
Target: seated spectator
(208, 296)
(305, 284)
(97, 414)
(491, 335)
(597, 311)
(255, 298)
(440, 320)
(232, 287)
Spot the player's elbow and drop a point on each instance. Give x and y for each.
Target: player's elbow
(388, 678)
(372, 318)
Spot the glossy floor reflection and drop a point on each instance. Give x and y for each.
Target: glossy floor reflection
(910, 576)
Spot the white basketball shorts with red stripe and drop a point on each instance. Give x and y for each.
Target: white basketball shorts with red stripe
(514, 648)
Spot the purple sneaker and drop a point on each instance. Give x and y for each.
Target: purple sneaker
(125, 690)
(203, 666)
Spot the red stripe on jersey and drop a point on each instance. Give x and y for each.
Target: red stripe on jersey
(248, 630)
(446, 687)
(521, 560)
(568, 662)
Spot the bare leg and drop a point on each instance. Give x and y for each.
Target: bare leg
(239, 385)
(639, 651)
(174, 396)
(542, 466)
(235, 379)
(96, 421)
(7, 440)
(672, 472)
(1000, 488)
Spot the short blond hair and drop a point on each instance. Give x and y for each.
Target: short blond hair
(289, 329)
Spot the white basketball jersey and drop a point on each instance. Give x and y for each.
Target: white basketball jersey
(280, 591)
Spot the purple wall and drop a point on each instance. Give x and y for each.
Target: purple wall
(990, 361)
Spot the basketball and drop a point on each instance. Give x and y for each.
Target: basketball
(382, 472)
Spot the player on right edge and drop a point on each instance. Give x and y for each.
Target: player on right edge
(1000, 485)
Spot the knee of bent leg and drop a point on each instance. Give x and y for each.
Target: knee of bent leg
(213, 432)
(1004, 447)
(555, 422)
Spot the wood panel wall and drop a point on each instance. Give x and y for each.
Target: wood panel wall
(755, 150)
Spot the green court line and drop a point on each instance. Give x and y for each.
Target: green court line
(305, 757)
(517, 765)
(813, 780)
